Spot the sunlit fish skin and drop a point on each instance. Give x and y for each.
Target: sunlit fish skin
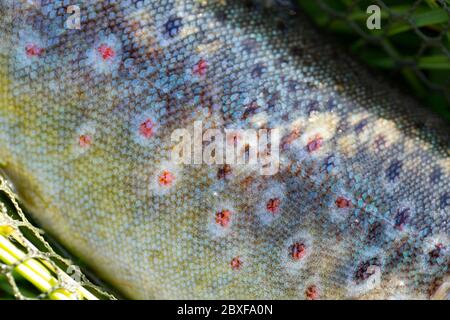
(359, 207)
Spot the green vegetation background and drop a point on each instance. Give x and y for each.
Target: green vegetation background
(413, 44)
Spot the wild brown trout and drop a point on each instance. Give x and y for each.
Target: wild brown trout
(352, 199)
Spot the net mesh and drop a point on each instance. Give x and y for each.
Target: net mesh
(412, 41)
(28, 258)
(29, 266)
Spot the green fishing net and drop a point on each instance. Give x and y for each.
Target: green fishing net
(29, 266)
(412, 43)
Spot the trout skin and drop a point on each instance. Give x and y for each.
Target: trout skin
(358, 209)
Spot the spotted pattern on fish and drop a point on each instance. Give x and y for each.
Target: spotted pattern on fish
(360, 205)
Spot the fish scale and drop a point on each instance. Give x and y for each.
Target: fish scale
(86, 117)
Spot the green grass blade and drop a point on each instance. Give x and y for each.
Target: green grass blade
(438, 62)
(422, 19)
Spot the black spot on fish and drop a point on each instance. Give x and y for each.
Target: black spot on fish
(435, 254)
(375, 233)
(258, 70)
(249, 45)
(173, 26)
(221, 15)
(361, 125)
(313, 106)
(436, 174)
(402, 217)
(297, 51)
(331, 104)
(364, 270)
(329, 163)
(444, 200)
(394, 169)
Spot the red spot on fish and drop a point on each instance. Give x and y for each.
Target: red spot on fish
(223, 218)
(314, 143)
(32, 50)
(273, 205)
(200, 68)
(166, 178)
(106, 52)
(297, 251)
(312, 293)
(146, 128)
(342, 203)
(236, 263)
(85, 140)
